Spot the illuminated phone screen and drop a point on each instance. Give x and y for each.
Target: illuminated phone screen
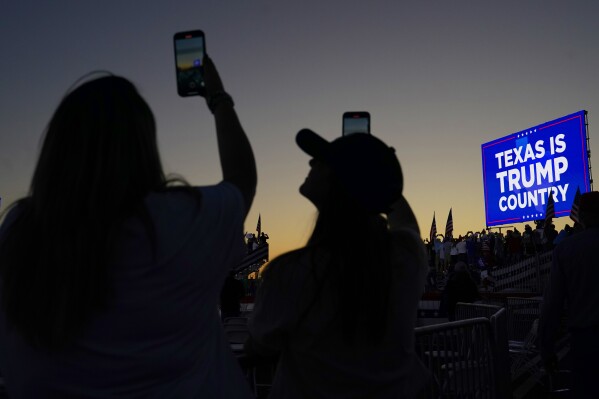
(352, 125)
(189, 53)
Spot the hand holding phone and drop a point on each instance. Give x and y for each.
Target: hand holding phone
(190, 49)
(356, 122)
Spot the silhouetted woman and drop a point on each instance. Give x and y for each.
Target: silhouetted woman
(110, 275)
(341, 311)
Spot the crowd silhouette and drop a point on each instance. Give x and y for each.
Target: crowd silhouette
(487, 249)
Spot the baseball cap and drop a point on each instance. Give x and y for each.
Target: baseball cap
(366, 167)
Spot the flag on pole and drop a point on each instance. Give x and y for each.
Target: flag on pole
(433, 232)
(449, 225)
(550, 211)
(259, 225)
(575, 207)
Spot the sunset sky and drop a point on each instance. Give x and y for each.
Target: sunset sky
(439, 79)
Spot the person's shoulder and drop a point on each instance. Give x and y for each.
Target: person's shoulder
(186, 198)
(406, 236)
(407, 240)
(186, 192)
(297, 263)
(410, 251)
(176, 195)
(584, 238)
(286, 261)
(223, 188)
(289, 270)
(224, 193)
(11, 214)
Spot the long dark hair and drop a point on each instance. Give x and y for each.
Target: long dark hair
(98, 160)
(360, 263)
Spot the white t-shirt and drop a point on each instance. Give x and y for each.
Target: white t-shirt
(161, 336)
(462, 247)
(314, 360)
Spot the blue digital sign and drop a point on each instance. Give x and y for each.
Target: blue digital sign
(520, 170)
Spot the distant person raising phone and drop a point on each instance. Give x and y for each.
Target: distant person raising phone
(110, 275)
(340, 313)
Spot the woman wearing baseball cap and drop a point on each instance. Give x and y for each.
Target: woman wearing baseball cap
(340, 313)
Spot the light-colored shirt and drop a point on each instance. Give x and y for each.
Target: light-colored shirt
(161, 335)
(461, 246)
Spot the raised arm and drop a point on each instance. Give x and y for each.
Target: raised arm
(236, 155)
(402, 217)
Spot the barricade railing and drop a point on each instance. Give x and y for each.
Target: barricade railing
(467, 358)
(521, 314)
(461, 357)
(497, 317)
(528, 275)
(499, 329)
(465, 311)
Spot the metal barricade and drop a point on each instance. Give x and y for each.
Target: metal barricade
(497, 317)
(498, 322)
(462, 358)
(521, 313)
(465, 311)
(528, 275)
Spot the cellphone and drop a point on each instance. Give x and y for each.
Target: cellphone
(356, 122)
(190, 48)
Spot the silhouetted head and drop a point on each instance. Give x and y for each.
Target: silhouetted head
(589, 209)
(460, 267)
(567, 228)
(99, 159)
(100, 143)
(353, 180)
(365, 169)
